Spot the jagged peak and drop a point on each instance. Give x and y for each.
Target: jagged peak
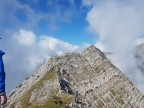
(92, 48)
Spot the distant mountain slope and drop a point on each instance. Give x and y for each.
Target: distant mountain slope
(77, 80)
(139, 54)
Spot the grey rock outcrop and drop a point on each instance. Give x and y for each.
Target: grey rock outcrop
(77, 80)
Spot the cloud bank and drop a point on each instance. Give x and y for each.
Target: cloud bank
(25, 52)
(118, 24)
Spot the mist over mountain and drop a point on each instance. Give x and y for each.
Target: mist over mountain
(139, 55)
(77, 80)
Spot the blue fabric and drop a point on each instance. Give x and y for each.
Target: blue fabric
(2, 73)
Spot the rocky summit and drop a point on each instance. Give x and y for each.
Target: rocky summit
(77, 80)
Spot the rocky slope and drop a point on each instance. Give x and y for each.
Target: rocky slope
(77, 80)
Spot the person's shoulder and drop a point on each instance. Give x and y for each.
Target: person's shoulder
(1, 52)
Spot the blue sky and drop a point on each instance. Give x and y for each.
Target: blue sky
(63, 19)
(35, 30)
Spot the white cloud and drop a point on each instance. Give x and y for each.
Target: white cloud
(118, 25)
(100, 45)
(34, 61)
(25, 37)
(49, 42)
(139, 41)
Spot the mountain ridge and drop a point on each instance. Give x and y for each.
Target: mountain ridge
(83, 80)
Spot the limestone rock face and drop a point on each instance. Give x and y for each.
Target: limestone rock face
(77, 80)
